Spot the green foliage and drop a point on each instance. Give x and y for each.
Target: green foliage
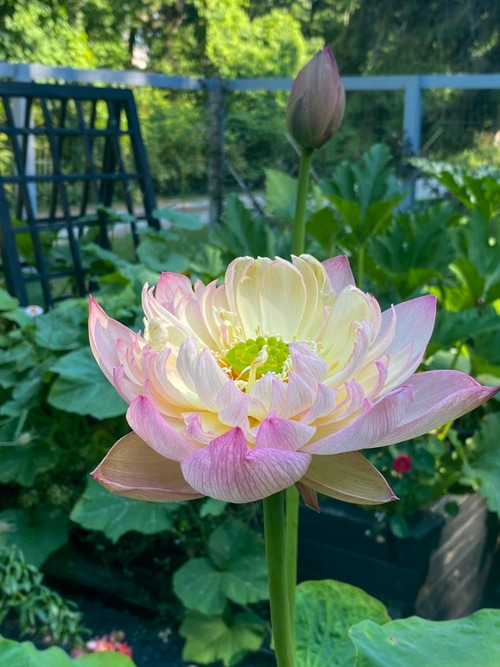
(241, 233)
(416, 641)
(25, 654)
(416, 248)
(483, 469)
(98, 509)
(82, 388)
(229, 639)
(325, 611)
(235, 570)
(28, 531)
(38, 608)
(364, 198)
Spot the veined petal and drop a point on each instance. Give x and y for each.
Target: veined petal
(276, 433)
(146, 421)
(323, 406)
(228, 470)
(209, 378)
(171, 287)
(271, 393)
(128, 389)
(339, 272)
(414, 325)
(104, 334)
(439, 397)
(375, 423)
(306, 362)
(349, 477)
(131, 468)
(299, 397)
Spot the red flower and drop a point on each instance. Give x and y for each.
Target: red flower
(402, 463)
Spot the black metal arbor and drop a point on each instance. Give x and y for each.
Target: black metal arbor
(95, 173)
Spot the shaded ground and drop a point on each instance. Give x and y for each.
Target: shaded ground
(153, 643)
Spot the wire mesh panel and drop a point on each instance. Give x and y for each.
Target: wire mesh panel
(72, 166)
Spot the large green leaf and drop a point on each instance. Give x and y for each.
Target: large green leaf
(211, 638)
(239, 552)
(158, 256)
(7, 302)
(37, 534)
(25, 654)
(236, 570)
(325, 610)
(241, 233)
(98, 509)
(82, 387)
(22, 463)
(199, 584)
(281, 194)
(103, 659)
(417, 642)
(14, 654)
(178, 218)
(60, 329)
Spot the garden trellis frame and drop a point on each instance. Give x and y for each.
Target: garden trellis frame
(68, 113)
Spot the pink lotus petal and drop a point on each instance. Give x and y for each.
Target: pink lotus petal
(171, 287)
(307, 363)
(131, 468)
(127, 389)
(104, 333)
(439, 398)
(194, 429)
(276, 433)
(339, 272)
(323, 406)
(209, 379)
(349, 477)
(299, 397)
(376, 423)
(414, 325)
(228, 470)
(271, 392)
(146, 421)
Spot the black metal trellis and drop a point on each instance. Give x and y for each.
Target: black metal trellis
(98, 175)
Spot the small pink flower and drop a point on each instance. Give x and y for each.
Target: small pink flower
(402, 463)
(112, 642)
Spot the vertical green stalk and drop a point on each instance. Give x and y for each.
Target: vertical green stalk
(361, 265)
(291, 543)
(274, 533)
(299, 227)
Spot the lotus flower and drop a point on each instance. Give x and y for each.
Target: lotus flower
(277, 377)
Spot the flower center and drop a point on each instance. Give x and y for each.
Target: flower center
(257, 357)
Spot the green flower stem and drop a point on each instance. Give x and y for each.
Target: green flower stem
(291, 544)
(361, 265)
(299, 227)
(274, 533)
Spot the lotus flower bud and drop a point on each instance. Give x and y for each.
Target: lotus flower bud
(317, 101)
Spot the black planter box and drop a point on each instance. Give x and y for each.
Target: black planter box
(440, 572)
